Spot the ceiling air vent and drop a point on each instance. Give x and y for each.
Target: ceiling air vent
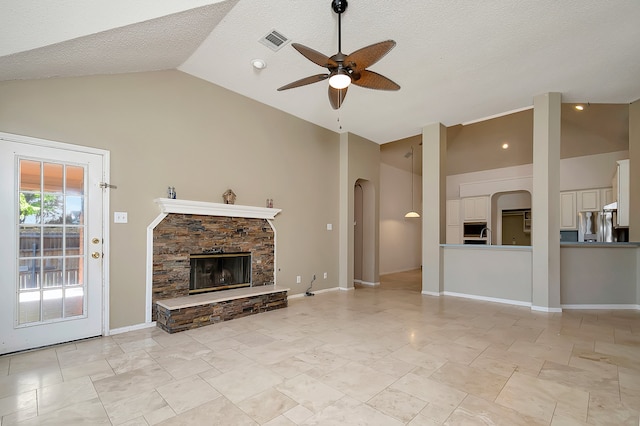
(274, 40)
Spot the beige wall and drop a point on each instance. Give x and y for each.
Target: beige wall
(400, 237)
(360, 162)
(168, 128)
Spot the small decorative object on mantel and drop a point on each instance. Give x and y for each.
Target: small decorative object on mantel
(171, 192)
(229, 197)
(270, 203)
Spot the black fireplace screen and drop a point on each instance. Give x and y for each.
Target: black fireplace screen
(211, 272)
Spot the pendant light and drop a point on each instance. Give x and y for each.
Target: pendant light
(412, 213)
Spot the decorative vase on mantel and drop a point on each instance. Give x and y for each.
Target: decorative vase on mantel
(229, 197)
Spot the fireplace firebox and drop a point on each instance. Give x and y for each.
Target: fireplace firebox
(219, 271)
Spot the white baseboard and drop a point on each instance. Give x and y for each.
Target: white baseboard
(488, 299)
(325, 290)
(545, 309)
(603, 306)
(131, 328)
(366, 283)
(432, 293)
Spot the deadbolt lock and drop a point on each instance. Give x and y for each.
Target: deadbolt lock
(95, 240)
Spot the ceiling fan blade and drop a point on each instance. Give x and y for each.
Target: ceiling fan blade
(373, 80)
(304, 81)
(336, 96)
(369, 55)
(315, 56)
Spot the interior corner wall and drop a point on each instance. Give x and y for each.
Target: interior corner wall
(168, 128)
(400, 237)
(360, 159)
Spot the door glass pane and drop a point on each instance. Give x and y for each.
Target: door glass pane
(29, 241)
(52, 209)
(30, 207)
(29, 304)
(73, 301)
(30, 175)
(51, 242)
(52, 272)
(75, 180)
(74, 240)
(29, 273)
(53, 177)
(74, 210)
(51, 304)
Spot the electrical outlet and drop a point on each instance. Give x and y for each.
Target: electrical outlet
(119, 217)
(325, 275)
(298, 279)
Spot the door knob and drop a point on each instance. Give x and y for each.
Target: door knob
(95, 255)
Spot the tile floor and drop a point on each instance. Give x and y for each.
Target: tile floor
(373, 356)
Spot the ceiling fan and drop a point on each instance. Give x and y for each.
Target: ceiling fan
(346, 69)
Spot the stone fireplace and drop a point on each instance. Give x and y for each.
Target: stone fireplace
(224, 246)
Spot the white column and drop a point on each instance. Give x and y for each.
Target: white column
(545, 232)
(434, 150)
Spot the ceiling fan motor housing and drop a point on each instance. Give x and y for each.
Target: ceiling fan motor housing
(339, 6)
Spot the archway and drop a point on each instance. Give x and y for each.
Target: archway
(364, 233)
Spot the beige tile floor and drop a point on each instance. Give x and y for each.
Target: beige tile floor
(373, 356)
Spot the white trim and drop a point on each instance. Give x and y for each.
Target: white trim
(604, 306)
(168, 205)
(501, 114)
(128, 328)
(432, 293)
(346, 289)
(149, 268)
(302, 295)
(545, 309)
(366, 283)
(106, 167)
(488, 299)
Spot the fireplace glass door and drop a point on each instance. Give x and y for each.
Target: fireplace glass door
(211, 272)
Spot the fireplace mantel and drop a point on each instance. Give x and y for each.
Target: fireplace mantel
(169, 205)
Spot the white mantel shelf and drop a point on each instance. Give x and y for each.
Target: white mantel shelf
(169, 205)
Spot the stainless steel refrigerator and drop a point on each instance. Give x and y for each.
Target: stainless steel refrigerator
(590, 228)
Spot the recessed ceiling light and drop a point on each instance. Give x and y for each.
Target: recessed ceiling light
(579, 107)
(505, 145)
(258, 64)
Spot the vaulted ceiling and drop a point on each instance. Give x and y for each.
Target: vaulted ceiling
(455, 61)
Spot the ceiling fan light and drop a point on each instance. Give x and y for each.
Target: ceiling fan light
(412, 214)
(340, 80)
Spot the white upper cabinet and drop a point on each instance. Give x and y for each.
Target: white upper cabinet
(588, 200)
(568, 214)
(606, 197)
(475, 209)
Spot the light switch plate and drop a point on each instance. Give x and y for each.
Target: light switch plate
(119, 217)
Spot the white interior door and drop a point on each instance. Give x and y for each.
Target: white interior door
(51, 250)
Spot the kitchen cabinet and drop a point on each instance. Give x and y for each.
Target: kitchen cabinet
(588, 200)
(475, 209)
(568, 213)
(621, 192)
(606, 197)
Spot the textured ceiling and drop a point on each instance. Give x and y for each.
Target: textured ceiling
(456, 61)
